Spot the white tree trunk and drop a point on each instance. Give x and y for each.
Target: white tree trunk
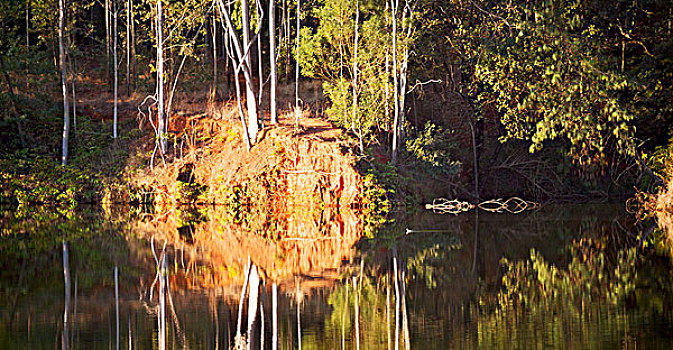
(355, 80)
(236, 54)
(260, 74)
(394, 5)
(272, 62)
(214, 32)
(107, 41)
(251, 101)
(115, 69)
(296, 80)
(66, 108)
(133, 44)
(161, 129)
(128, 48)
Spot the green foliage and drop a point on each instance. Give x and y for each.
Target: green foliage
(546, 70)
(433, 147)
(327, 53)
(191, 192)
(38, 180)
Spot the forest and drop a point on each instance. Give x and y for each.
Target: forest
(188, 145)
(560, 98)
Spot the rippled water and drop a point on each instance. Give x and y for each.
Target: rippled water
(450, 290)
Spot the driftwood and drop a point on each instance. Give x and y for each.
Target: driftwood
(514, 205)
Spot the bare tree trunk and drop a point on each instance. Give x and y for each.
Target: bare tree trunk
(27, 25)
(355, 79)
(161, 132)
(128, 48)
(286, 38)
(73, 76)
(115, 69)
(61, 54)
(251, 101)
(133, 44)
(296, 80)
(234, 50)
(387, 101)
(260, 18)
(394, 5)
(214, 33)
(107, 40)
(272, 62)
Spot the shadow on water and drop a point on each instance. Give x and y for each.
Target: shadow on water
(559, 277)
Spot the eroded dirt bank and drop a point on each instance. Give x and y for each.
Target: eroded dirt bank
(292, 203)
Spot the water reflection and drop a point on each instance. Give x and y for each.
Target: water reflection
(424, 282)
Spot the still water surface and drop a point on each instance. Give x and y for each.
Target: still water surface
(572, 279)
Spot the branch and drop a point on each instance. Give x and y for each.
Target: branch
(418, 83)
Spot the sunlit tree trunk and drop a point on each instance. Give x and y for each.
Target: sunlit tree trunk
(296, 58)
(251, 101)
(394, 5)
(260, 74)
(272, 61)
(161, 132)
(286, 38)
(115, 69)
(61, 54)
(355, 80)
(128, 48)
(387, 101)
(237, 55)
(133, 44)
(107, 40)
(214, 37)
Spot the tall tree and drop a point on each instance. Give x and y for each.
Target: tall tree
(239, 57)
(394, 6)
(66, 108)
(297, 111)
(128, 48)
(115, 68)
(161, 125)
(272, 61)
(251, 100)
(355, 81)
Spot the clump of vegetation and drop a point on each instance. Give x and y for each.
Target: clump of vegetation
(433, 147)
(39, 180)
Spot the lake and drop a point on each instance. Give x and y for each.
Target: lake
(561, 276)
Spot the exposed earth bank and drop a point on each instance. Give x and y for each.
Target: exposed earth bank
(293, 203)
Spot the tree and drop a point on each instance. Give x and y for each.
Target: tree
(272, 62)
(544, 66)
(297, 111)
(115, 12)
(61, 54)
(251, 100)
(161, 125)
(355, 80)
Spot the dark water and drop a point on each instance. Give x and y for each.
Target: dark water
(565, 277)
